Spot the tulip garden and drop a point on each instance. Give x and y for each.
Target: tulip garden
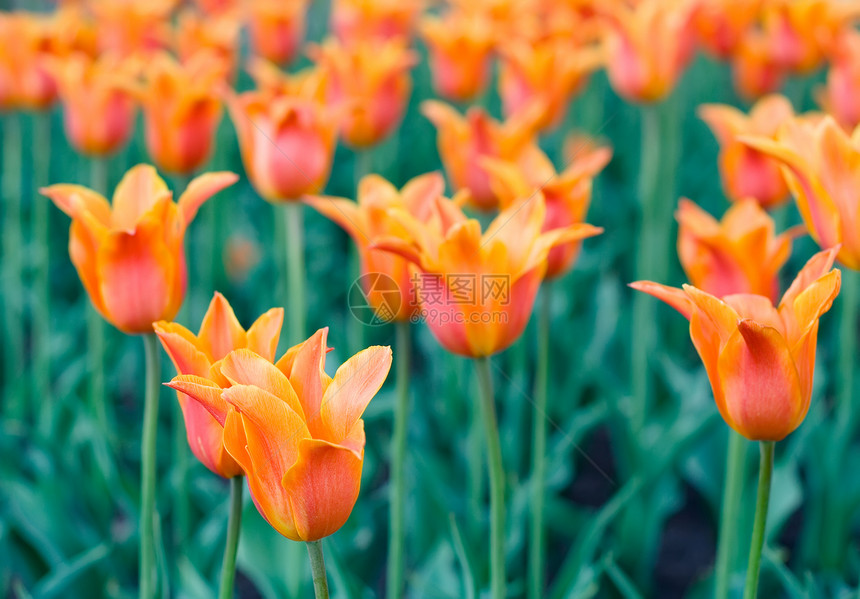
(430, 299)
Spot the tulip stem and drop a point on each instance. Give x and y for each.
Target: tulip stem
(148, 571)
(13, 347)
(762, 500)
(295, 269)
(497, 479)
(396, 538)
(315, 552)
(95, 324)
(41, 235)
(850, 298)
(228, 569)
(732, 495)
(536, 543)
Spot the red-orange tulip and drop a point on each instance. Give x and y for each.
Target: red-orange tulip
(129, 256)
(798, 32)
(182, 110)
(287, 136)
(721, 24)
(477, 290)
(220, 333)
(216, 35)
(464, 143)
(821, 165)
(102, 86)
(369, 219)
(296, 432)
(460, 46)
(353, 20)
(29, 44)
(746, 172)
(132, 27)
(567, 194)
(755, 72)
(739, 254)
(759, 359)
(648, 47)
(277, 28)
(368, 82)
(841, 95)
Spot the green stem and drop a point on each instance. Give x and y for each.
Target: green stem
(396, 535)
(762, 500)
(295, 276)
(318, 569)
(95, 323)
(228, 569)
(13, 347)
(497, 479)
(41, 236)
(732, 495)
(148, 571)
(850, 298)
(536, 544)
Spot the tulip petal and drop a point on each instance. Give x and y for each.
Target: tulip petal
(201, 189)
(726, 122)
(308, 376)
(181, 346)
(815, 268)
(755, 307)
(220, 332)
(812, 302)
(263, 335)
(353, 386)
(206, 392)
(345, 213)
(244, 367)
(760, 382)
(673, 296)
(76, 199)
(137, 192)
(721, 315)
(323, 487)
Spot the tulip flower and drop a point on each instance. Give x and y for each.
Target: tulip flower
(755, 72)
(354, 20)
(220, 333)
(739, 254)
(839, 96)
(548, 71)
(746, 172)
(477, 290)
(216, 35)
(721, 24)
(369, 219)
(103, 86)
(287, 136)
(460, 46)
(182, 110)
(797, 32)
(647, 48)
(277, 28)
(759, 359)
(368, 82)
(28, 47)
(129, 255)
(819, 161)
(465, 142)
(297, 434)
(133, 26)
(567, 194)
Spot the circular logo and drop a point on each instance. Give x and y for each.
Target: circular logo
(374, 299)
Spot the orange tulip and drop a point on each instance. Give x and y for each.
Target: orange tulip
(277, 28)
(567, 194)
(759, 359)
(648, 46)
(287, 135)
(133, 26)
(369, 219)
(839, 96)
(29, 44)
(740, 254)
(369, 83)
(755, 72)
(798, 31)
(182, 110)
(129, 256)
(820, 163)
(477, 290)
(296, 433)
(215, 35)
(353, 20)
(465, 142)
(548, 72)
(460, 46)
(746, 172)
(721, 24)
(220, 333)
(102, 86)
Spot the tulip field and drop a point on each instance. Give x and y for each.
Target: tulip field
(426, 299)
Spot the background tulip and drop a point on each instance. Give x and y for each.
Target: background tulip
(277, 28)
